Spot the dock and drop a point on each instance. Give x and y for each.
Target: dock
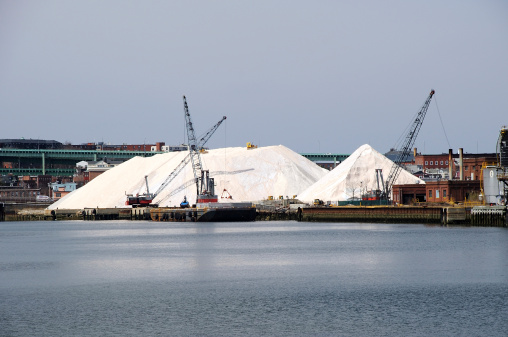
(495, 216)
(492, 216)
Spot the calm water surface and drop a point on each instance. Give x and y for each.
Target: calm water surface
(117, 278)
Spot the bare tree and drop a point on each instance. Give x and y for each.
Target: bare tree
(352, 189)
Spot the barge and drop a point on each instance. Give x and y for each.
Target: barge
(206, 212)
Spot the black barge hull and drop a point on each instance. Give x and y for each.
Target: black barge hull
(208, 214)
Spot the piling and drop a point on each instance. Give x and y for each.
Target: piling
(491, 216)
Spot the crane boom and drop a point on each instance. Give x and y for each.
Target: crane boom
(173, 175)
(192, 182)
(202, 141)
(408, 144)
(209, 133)
(195, 157)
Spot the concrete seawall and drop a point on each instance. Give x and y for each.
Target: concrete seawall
(381, 214)
(22, 212)
(492, 216)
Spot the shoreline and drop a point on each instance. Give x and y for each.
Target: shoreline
(490, 216)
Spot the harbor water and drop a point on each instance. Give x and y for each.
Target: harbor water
(140, 278)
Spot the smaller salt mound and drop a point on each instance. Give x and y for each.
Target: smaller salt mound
(354, 176)
(248, 175)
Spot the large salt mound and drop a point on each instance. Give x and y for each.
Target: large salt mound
(248, 175)
(354, 176)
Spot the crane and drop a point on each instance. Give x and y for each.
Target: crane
(144, 199)
(202, 141)
(380, 187)
(407, 145)
(147, 197)
(204, 184)
(192, 182)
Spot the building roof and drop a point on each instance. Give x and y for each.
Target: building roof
(30, 143)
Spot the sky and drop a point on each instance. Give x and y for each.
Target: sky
(314, 76)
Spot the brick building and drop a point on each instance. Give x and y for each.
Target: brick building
(408, 194)
(451, 190)
(436, 191)
(440, 163)
(463, 183)
(18, 194)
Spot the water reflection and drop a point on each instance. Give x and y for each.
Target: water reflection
(262, 278)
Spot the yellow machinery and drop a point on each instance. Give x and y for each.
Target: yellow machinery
(318, 202)
(270, 197)
(251, 146)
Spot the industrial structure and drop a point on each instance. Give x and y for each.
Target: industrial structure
(406, 147)
(195, 148)
(495, 175)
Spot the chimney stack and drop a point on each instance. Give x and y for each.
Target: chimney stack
(450, 164)
(461, 163)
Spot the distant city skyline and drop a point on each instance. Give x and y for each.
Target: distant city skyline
(320, 76)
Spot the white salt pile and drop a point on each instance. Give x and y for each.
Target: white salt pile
(354, 176)
(247, 175)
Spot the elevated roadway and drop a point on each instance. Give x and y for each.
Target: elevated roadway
(37, 162)
(328, 160)
(40, 161)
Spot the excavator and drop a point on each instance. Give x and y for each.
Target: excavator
(141, 200)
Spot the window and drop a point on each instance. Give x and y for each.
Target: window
(430, 193)
(441, 162)
(426, 163)
(58, 195)
(444, 193)
(466, 167)
(437, 194)
(446, 162)
(431, 162)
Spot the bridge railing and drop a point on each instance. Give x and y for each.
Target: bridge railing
(37, 171)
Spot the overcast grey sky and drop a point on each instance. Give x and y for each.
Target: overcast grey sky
(315, 76)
